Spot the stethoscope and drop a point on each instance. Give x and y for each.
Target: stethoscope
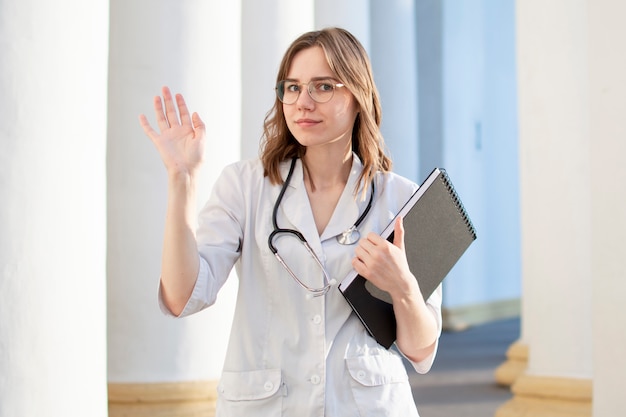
(348, 237)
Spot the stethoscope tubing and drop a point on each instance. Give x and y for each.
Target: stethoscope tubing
(328, 282)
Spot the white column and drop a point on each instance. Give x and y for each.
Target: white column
(53, 76)
(268, 27)
(393, 46)
(555, 186)
(607, 108)
(556, 195)
(193, 47)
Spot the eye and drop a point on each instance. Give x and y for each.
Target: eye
(292, 87)
(324, 86)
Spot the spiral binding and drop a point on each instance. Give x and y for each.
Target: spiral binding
(457, 201)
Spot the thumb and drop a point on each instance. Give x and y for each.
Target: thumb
(398, 233)
(198, 124)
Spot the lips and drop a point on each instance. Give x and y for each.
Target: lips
(307, 122)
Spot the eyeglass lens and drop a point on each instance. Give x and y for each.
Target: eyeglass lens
(320, 91)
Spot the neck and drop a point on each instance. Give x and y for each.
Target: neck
(323, 171)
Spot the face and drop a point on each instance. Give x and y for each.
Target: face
(316, 124)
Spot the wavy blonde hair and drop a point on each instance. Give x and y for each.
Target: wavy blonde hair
(350, 64)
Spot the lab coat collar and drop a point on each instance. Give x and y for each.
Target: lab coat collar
(299, 214)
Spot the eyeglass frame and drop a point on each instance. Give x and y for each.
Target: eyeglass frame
(334, 84)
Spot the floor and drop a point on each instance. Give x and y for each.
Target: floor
(461, 381)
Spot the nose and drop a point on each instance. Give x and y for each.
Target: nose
(304, 100)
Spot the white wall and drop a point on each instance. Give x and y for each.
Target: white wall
(53, 213)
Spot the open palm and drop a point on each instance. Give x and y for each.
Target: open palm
(180, 136)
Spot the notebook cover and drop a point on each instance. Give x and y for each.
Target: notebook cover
(437, 231)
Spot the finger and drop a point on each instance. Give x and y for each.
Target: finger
(145, 125)
(398, 233)
(364, 248)
(170, 108)
(359, 253)
(197, 123)
(359, 266)
(185, 119)
(375, 239)
(162, 122)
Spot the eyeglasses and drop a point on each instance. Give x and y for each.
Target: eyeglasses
(320, 90)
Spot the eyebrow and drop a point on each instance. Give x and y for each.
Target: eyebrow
(314, 79)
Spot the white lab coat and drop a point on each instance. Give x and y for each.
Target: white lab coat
(290, 355)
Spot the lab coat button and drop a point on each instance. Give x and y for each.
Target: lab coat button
(268, 386)
(315, 379)
(317, 319)
(360, 375)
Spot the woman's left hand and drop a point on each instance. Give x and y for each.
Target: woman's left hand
(385, 264)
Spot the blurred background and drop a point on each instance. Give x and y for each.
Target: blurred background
(522, 102)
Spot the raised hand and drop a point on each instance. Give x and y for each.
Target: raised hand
(180, 137)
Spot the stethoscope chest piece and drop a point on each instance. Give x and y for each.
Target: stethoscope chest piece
(352, 235)
(349, 237)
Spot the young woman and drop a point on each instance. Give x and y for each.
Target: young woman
(288, 222)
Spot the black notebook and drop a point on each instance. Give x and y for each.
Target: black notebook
(437, 231)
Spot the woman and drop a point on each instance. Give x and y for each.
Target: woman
(296, 347)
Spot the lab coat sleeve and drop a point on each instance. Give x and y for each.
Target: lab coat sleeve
(218, 237)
